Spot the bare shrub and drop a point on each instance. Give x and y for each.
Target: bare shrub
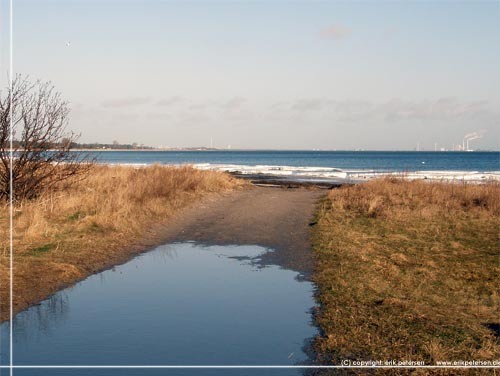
(37, 116)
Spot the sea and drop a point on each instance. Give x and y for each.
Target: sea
(323, 165)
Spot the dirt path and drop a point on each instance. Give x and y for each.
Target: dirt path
(276, 218)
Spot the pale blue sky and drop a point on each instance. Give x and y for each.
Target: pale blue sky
(268, 74)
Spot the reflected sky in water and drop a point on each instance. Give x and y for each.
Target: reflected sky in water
(177, 304)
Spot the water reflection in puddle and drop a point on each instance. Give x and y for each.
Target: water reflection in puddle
(180, 304)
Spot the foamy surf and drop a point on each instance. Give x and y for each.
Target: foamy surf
(288, 171)
(336, 174)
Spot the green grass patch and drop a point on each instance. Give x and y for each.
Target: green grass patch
(76, 215)
(38, 251)
(96, 227)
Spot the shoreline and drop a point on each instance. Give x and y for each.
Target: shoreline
(334, 177)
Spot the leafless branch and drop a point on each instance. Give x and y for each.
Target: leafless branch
(42, 155)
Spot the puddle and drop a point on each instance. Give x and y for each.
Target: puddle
(179, 304)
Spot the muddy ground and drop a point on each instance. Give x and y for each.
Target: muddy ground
(273, 217)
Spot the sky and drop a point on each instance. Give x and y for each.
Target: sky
(378, 75)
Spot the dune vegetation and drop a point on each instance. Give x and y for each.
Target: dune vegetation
(80, 227)
(408, 271)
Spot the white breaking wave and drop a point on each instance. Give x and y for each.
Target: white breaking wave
(336, 174)
(453, 176)
(283, 171)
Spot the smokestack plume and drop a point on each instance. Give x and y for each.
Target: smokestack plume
(471, 136)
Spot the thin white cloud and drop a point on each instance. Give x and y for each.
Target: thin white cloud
(308, 104)
(234, 103)
(335, 32)
(446, 108)
(169, 101)
(390, 31)
(197, 107)
(440, 109)
(158, 115)
(125, 102)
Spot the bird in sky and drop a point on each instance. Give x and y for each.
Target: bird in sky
(68, 43)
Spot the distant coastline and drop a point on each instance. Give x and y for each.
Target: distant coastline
(204, 149)
(147, 149)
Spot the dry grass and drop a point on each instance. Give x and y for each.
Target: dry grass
(408, 271)
(77, 229)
